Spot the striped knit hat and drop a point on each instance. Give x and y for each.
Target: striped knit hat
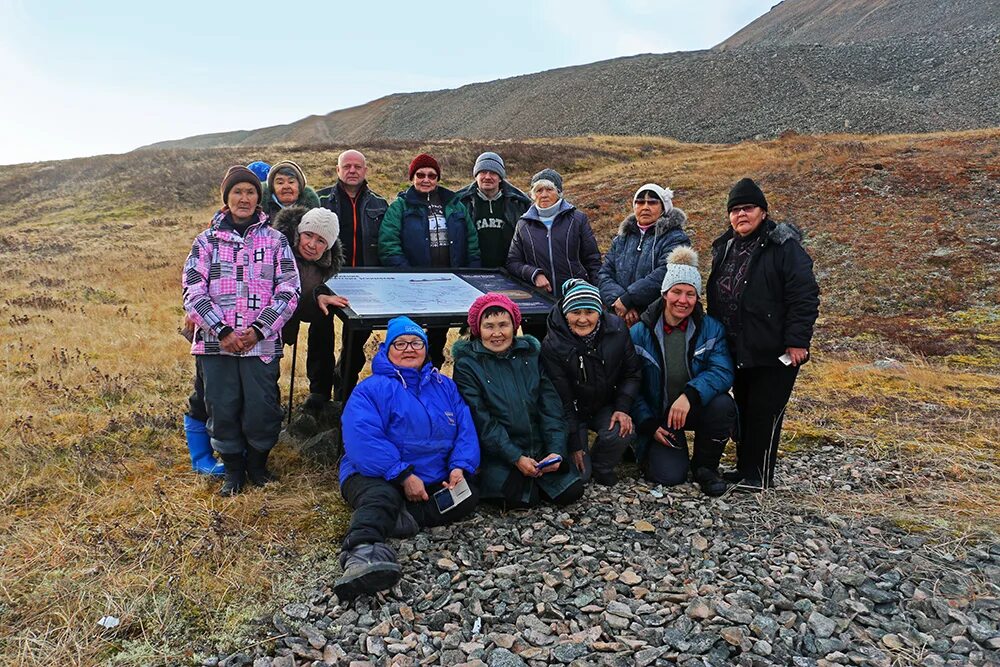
(578, 294)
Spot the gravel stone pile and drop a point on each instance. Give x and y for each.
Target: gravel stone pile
(642, 575)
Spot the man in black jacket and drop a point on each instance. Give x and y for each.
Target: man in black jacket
(494, 206)
(360, 211)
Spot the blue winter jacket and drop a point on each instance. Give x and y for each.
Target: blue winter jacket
(404, 238)
(635, 264)
(403, 420)
(709, 365)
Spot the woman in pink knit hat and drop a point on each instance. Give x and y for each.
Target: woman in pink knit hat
(518, 414)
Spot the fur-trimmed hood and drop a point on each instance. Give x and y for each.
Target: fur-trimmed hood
(287, 222)
(675, 218)
(777, 233)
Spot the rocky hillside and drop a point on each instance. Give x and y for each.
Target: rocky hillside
(908, 80)
(832, 22)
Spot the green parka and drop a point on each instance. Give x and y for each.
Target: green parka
(517, 413)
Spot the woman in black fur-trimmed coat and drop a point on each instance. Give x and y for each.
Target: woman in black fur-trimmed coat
(763, 290)
(319, 256)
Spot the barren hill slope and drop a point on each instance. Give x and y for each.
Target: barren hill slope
(831, 22)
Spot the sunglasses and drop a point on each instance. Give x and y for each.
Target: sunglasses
(647, 202)
(745, 208)
(426, 175)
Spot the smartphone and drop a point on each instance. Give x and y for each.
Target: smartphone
(448, 499)
(547, 462)
(785, 359)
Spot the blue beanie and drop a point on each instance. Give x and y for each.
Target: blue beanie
(260, 168)
(403, 326)
(578, 294)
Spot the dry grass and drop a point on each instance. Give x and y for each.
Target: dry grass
(102, 517)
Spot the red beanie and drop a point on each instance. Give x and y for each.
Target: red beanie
(486, 301)
(424, 160)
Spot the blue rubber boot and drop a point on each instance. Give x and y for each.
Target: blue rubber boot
(200, 446)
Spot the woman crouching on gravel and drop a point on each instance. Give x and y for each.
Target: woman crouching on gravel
(517, 412)
(408, 437)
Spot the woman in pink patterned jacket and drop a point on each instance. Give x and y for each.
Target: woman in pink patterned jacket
(240, 287)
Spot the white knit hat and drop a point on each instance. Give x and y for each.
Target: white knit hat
(322, 222)
(666, 195)
(682, 267)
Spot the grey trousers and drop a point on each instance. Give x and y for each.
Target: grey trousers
(243, 402)
(608, 447)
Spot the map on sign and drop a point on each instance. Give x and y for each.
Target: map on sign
(404, 293)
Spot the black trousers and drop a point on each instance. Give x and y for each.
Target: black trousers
(196, 401)
(761, 396)
(320, 360)
(436, 339)
(377, 502)
(355, 356)
(514, 491)
(712, 425)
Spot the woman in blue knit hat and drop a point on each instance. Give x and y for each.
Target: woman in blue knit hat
(590, 358)
(407, 434)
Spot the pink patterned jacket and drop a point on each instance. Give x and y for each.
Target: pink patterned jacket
(233, 283)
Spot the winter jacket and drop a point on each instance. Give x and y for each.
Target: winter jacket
(233, 282)
(405, 240)
(590, 377)
(307, 198)
(516, 410)
(635, 264)
(406, 420)
(780, 302)
(710, 368)
(511, 205)
(569, 250)
(312, 274)
(365, 219)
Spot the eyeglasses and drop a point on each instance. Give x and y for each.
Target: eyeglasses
(403, 345)
(647, 202)
(429, 175)
(745, 208)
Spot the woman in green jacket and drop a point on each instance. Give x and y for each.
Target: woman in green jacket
(518, 414)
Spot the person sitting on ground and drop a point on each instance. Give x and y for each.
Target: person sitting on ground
(426, 226)
(494, 206)
(407, 434)
(517, 412)
(686, 376)
(240, 287)
(634, 265)
(286, 186)
(588, 354)
(553, 242)
(318, 256)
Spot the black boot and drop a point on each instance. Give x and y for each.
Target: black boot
(257, 471)
(710, 482)
(235, 474)
(368, 569)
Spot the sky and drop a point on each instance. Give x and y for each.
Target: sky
(88, 78)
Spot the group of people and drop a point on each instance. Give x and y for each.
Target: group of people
(628, 351)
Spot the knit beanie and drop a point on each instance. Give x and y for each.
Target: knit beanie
(322, 222)
(403, 326)
(551, 175)
(289, 165)
(682, 268)
(489, 162)
(486, 301)
(746, 192)
(260, 168)
(665, 195)
(239, 174)
(423, 160)
(578, 294)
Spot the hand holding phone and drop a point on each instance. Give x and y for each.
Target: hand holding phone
(552, 460)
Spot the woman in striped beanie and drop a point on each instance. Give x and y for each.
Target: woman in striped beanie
(588, 354)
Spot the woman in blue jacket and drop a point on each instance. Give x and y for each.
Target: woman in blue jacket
(407, 434)
(686, 376)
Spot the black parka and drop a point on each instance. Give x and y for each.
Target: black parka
(780, 302)
(590, 377)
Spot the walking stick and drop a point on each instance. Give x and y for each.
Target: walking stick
(291, 383)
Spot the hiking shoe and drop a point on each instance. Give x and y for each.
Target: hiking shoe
(406, 525)
(733, 476)
(368, 569)
(711, 483)
(605, 478)
(315, 402)
(235, 475)
(257, 472)
(750, 485)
